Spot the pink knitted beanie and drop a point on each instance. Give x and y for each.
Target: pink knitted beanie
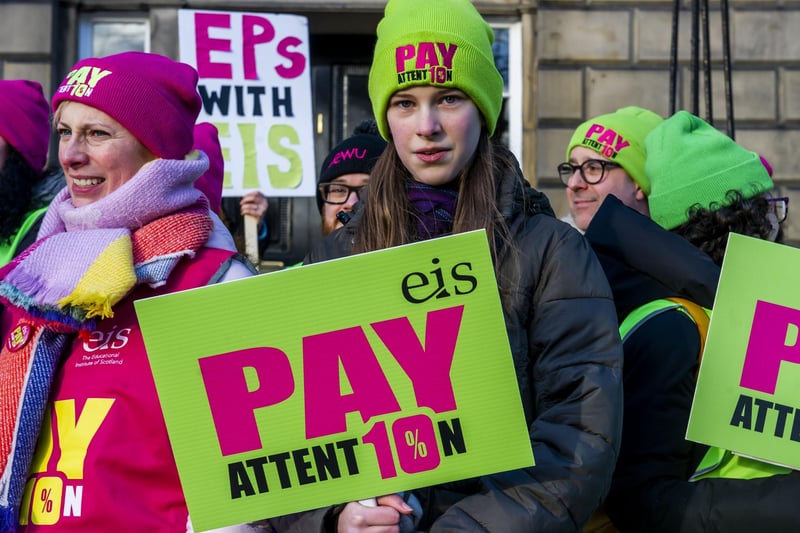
(152, 96)
(25, 120)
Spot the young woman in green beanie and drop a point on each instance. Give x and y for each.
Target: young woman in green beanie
(436, 96)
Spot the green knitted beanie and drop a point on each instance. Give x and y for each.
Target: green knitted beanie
(619, 136)
(443, 43)
(689, 162)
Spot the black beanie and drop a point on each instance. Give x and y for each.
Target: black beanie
(355, 154)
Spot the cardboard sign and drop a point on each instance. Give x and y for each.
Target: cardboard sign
(748, 389)
(255, 82)
(337, 381)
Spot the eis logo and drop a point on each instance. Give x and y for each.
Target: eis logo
(419, 287)
(82, 81)
(103, 348)
(107, 340)
(431, 62)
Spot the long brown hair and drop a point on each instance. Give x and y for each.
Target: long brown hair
(388, 219)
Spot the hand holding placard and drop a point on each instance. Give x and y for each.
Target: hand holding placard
(305, 408)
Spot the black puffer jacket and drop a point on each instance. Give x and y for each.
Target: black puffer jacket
(650, 491)
(563, 336)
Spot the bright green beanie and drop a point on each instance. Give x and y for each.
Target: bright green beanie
(443, 43)
(619, 136)
(689, 162)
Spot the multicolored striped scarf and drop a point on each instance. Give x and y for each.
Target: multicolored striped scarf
(434, 207)
(86, 260)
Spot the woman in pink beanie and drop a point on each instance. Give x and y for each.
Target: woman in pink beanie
(82, 423)
(25, 190)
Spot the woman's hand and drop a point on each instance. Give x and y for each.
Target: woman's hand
(254, 204)
(384, 518)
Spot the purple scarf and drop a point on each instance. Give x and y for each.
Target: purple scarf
(434, 207)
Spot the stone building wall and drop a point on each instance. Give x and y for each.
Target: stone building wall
(26, 50)
(597, 56)
(25, 41)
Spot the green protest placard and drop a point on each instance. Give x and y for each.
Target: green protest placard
(748, 389)
(337, 381)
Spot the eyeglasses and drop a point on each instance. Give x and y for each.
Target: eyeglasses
(778, 207)
(338, 193)
(592, 170)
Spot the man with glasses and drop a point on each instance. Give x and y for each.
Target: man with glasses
(607, 192)
(606, 156)
(345, 172)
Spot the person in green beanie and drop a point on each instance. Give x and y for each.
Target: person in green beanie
(605, 155)
(436, 95)
(663, 482)
(705, 185)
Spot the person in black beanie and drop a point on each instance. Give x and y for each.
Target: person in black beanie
(344, 172)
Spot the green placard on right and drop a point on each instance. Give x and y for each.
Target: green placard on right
(748, 388)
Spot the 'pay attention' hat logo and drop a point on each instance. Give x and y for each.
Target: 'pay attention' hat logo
(608, 142)
(435, 59)
(81, 82)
